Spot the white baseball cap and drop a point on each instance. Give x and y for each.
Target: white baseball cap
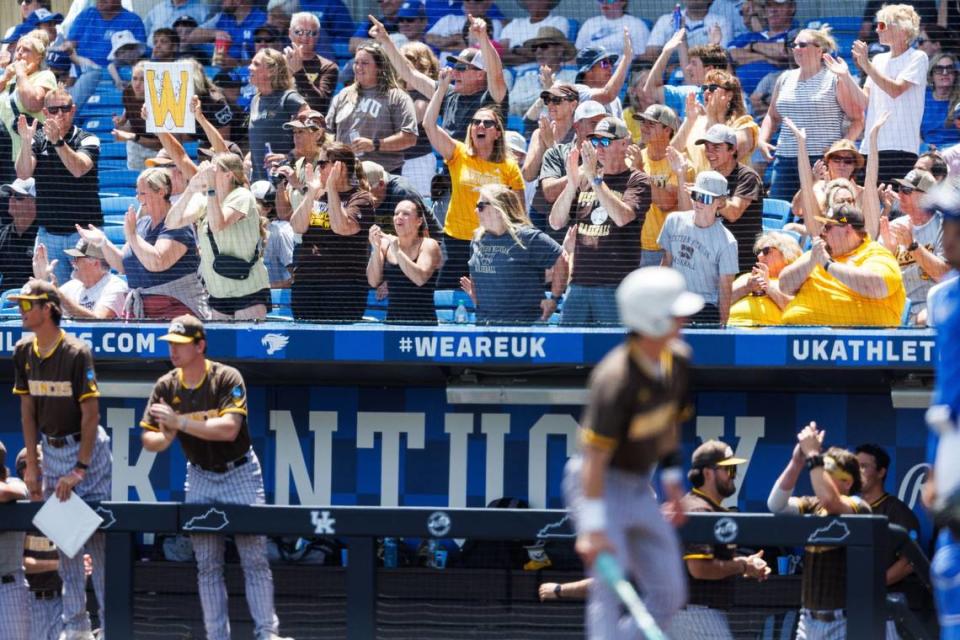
(651, 297)
(711, 183)
(123, 39)
(26, 187)
(516, 142)
(588, 109)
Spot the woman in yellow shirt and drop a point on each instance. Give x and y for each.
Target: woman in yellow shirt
(757, 298)
(481, 159)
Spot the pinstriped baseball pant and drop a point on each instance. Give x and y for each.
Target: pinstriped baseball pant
(242, 485)
(14, 614)
(644, 543)
(95, 486)
(46, 618)
(697, 622)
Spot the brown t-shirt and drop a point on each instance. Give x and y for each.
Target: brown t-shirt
(717, 594)
(316, 82)
(824, 581)
(57, 383)
(605, 252)
(221, 391)
(41, 548)
(745, 182)
(899, 513)
(634, 412)
(325, 255)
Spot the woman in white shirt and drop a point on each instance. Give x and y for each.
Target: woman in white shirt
(896, 83)
(606, 29)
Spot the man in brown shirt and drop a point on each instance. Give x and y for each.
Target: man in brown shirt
(835, 476)
(314, 75)
(59, 403)
(638, 398)
(203, 404)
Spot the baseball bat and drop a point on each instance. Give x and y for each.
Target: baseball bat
(611, 572)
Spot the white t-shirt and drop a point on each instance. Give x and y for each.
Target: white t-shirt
(452, 24)
(732, 10)
(700, 254)
(614, 107)
(951, 155)
(108, 293)
(698, 32)
(527, 88)
(902, 130)
(521, 29)
(600, 31)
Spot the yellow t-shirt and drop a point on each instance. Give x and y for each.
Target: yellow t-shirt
(697, 153)
(467, 175)
(825, 301)
(755, 311)
(659, 171)
(633, 125)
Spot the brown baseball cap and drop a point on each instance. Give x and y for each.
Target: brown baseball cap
(38, 290)
(714, 453)
(612, 127)
(162, 159)
(85, 249)
(562, 90)
(661, 114)
(917, 179)
(844, 214)
(184, 330)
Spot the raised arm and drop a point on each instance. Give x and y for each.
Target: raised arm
(183, 212)
(340, 223)
(496, 84)
(440, 140)
(853, 94)
(300, 218)
(414, 79)
(808, 197)
(654, 82)
(611, 89)
(111, 253)
(871, 197)
(213, 134)
(560, 211)
(770, 124)
(811, 441)
(26, 161)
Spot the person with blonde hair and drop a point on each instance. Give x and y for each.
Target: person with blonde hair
(757, 300)
(938, 127)
(231, 234)
(24, 84)
(896, 81)
(507, 262)
(420, 165)
(275, 103)
(814, 98)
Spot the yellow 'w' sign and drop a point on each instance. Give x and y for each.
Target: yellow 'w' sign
(169, 89)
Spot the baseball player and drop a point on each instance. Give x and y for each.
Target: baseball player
(59, 403)
(203, 404)
(638, 398)
(942, 489)
(14, 612)
(713, 475)
(41, 564)
(835, 476)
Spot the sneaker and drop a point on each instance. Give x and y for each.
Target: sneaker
(269, 635)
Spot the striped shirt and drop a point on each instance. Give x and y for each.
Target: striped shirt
(812, 105)
(240, 240)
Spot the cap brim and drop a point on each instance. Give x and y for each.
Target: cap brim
(74, 253)
(687, 304)
(176, 338)
(903, 183)
(29, 296)
(162, 162)
(729, 462)
(709, 193)
(469, 63)
(828, 220)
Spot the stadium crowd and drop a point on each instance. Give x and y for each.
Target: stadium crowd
(527, 164)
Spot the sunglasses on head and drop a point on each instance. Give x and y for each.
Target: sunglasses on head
(304, 33)
(707, 88)
(843, 159)
(482, 204)
(59, 108)
(702, 198)
(483, 122)
(944, 69)
(600, 141)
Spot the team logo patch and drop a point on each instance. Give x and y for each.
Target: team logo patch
(237, 395)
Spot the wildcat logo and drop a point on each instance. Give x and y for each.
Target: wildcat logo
(274, 342)
(686, 251)
(322, 522)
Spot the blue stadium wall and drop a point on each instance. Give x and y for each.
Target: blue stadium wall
(343, 416)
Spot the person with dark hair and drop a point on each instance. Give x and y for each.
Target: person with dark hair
(520, 30)
(934, 162)
(874, 469)
(203, 404)
(388, 190)
(76, 450)
(166, 45)
(14, 595)
(166, 12)
(374, 115)
(835, 476)
(334, 218)
(388, 21)
(700, 60)
(600, 76)
(18, 236)
(407, 261)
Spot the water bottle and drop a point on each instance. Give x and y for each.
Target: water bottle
(460, 315)
(677, 17)
(390, 553)
(432, 547)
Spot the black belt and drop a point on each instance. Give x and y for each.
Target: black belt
(9, 578)
(46, 595)
(229, 466)
(825, 615)
(59, 443)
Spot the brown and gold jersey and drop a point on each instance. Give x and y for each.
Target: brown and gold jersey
(711, 593)
(636, 412)
(58, 382)
(41, 548)
(221, 391)
(825, 568)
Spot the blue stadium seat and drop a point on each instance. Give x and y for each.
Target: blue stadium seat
(99, 125)
(281, 305)
(776, 213)
(113, 150)
(122, 183)
(114, 234)
(446, 301)
(117, 206)
(905, 316)
(573, 27)
(844, 29)
(376, 310)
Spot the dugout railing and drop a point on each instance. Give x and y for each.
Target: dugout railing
(864, 537)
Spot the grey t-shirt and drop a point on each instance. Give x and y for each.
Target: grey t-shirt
(267, 116)
(508, 278)
(278, 254)
(375, 115)
(915, 280)
(458, 109)
(702, 255)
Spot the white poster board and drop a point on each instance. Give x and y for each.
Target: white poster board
(169, 91)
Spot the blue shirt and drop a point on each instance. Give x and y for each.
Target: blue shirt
(947, 360)
(933, 127)
(137, 275)
(334, 17)
(241, 34)
(751, 73)
(675, 97)
(92, 33)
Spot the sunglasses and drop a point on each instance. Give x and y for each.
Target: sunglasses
(25, 305)
(764, 251)
(18, 196)
(544, 45)
(906, 190)
(801, 45)
(944, 69)
(702, 198)
(843, 159)
(707, 88)
(599, 141)
(881, 26)
(486, 124)
(606, 63)
(322, 163)
(922, 41)
(555, 100)
(481, 205)
(465, 67)
(59, 108)
(304, 33)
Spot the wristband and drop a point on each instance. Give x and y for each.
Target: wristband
(60, 142)
(826, 266)
(182, 423)
(136, 137)
(592, 516)
(913, 246)
(81, 466)
(211, 193)
(376, 144)
(558, 591)
(814, 461)
(597, 181)
(78, 474)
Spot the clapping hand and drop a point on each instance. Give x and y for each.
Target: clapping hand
(589, 155)
(634, 158)
(573, 167)
(313, 179)
(337, 173)
(26, 131)
(546, 77)
(818, 251)
(759, 278)
(43, 269)
(693, 108)
(93, 235)
(810, 440)
(678, 164)
(52, 130)
(469, 288)
(130, 224)
(861, 54)
(295, 56)
(374, 236)
(903, 234)
(756, 567)
(548, 132)
(675, 40)
(837, 66)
